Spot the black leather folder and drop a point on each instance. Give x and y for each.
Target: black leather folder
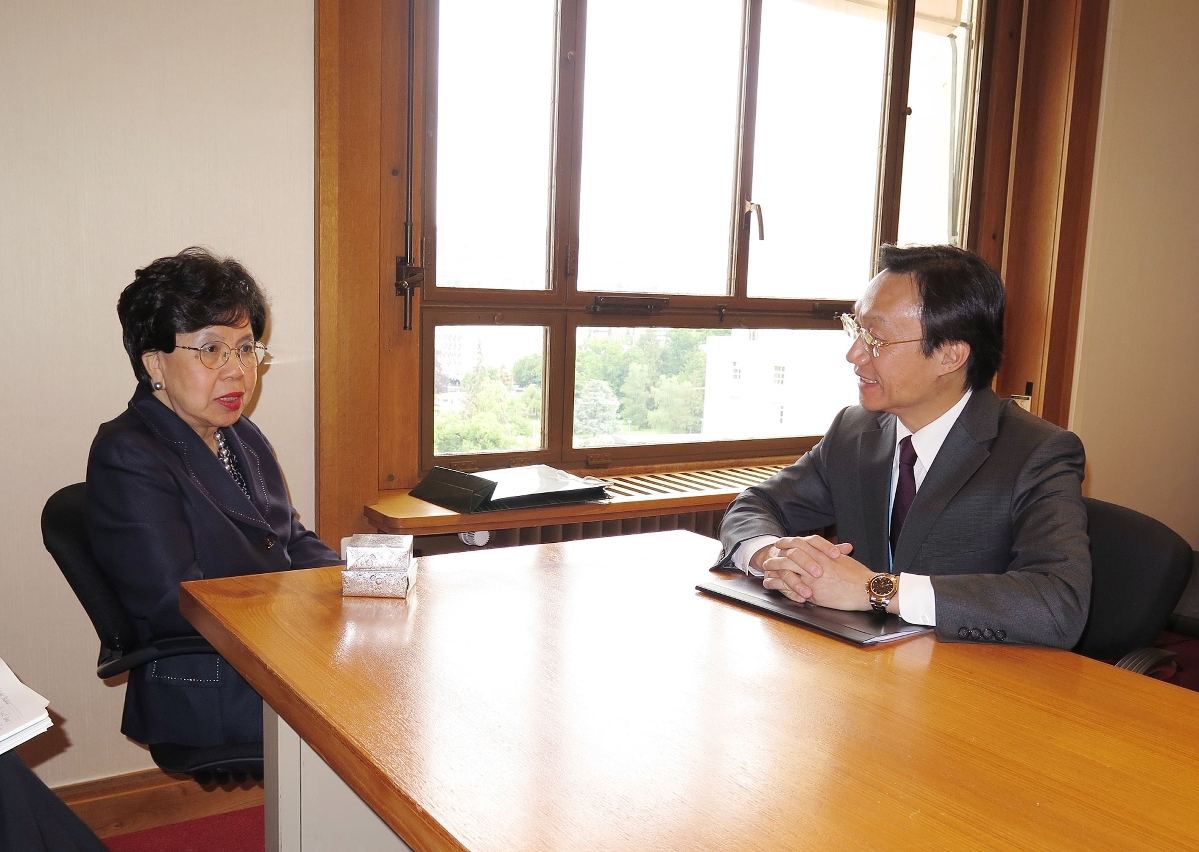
(508, 488)
(860, 628)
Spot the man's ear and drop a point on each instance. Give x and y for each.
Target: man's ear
(952, 356)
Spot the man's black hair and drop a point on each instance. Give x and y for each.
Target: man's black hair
(961, 299)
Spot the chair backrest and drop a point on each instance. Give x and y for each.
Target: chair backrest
(1140, 568)
(65, 536)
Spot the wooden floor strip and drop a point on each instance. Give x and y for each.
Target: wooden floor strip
(140, 800)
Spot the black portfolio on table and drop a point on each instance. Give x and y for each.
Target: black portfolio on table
(507, 488)
(860, 628)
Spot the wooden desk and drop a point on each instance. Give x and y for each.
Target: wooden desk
(583, 696)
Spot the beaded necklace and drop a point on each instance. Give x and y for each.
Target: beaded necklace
(230, 462)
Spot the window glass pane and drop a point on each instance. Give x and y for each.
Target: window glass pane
(494, 109)
(673, 385)
(820, 91)
(659, 145)
(940, 94)
(488, 388)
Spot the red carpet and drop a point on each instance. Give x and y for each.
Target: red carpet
(237, 831)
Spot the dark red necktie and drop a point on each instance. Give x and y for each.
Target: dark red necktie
(905, 489)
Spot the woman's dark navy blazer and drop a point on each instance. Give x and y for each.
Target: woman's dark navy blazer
(161, 509)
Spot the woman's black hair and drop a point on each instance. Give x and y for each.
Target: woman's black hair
(961, 299)
(184, 293)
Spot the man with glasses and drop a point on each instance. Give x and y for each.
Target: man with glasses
(952, 507)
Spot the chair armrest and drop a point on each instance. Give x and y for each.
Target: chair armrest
(112, 663)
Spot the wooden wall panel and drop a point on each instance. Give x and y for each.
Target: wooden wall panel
(399, 348)
(1049, 197)
(1076, 203)
(349, 129)
(997, 107)
(1038, 169)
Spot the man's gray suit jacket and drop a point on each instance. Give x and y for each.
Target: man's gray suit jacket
(998, 522)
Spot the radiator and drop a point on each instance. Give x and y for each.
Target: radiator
(704, 523)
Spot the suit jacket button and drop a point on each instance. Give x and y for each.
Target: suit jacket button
(1000, 635)
(963, 633)
(269, 542)
(976, 633)
(988, 633)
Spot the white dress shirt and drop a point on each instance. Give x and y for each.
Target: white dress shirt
(917, 603)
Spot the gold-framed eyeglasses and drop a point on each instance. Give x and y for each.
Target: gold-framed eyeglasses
(216, 354)
(849, 322)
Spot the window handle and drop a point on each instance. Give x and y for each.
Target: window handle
(751, 209)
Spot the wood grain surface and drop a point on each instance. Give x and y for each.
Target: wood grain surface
(584, 696)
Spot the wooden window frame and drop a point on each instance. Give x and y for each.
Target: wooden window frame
(367, 434)
(732, 310)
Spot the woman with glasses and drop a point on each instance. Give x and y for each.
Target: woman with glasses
(182, 486)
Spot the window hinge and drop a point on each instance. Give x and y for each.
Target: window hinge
(572, 261)
(639, 305)
(599, 460)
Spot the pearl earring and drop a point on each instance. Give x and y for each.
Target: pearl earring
(158, 386)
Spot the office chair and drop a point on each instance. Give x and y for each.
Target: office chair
(1140, 568)
(65, 537)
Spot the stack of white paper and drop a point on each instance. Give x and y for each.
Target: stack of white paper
(22, 711)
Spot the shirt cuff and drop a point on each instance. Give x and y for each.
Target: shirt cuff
(917, 601)
(745, 551)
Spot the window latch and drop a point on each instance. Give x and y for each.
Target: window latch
(830, 308)
(752, 209)
(640, 306)
(408, 278)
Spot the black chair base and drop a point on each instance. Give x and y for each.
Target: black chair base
(65, 536)
(239, 762)
(1147, 660)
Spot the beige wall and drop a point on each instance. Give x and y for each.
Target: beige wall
(130, 129)
(1136, 401)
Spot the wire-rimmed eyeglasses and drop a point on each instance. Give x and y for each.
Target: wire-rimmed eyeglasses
(849, 322)
(216, 355)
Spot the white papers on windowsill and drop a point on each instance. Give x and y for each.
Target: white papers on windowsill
(22, 711)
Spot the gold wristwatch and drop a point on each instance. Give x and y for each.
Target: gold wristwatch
(882, 588)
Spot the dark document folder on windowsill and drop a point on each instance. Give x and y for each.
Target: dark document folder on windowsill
(508, 488)
(860, 628)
